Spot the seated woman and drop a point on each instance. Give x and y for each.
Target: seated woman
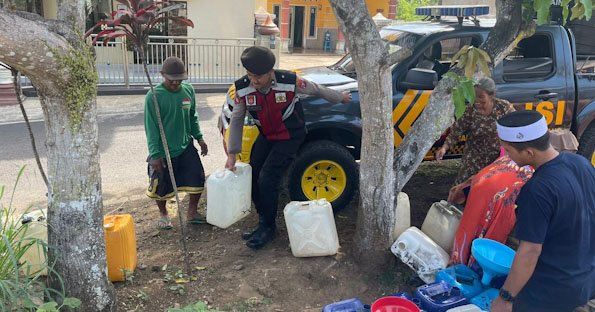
(489, 210)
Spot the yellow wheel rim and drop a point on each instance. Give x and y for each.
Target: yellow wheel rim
(324, 179)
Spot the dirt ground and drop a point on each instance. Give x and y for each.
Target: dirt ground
(228, 276)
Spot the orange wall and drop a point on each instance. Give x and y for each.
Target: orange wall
(326, 17)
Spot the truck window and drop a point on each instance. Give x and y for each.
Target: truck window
(438, 56)
(531, 60)
(585, 64)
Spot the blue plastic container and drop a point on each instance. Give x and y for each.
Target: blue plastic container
(411, 298)
(484, 300)
(463, 278)
(349, 305)
(439, 297)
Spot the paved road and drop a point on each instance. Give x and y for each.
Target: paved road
(122, 143)
(122, 147)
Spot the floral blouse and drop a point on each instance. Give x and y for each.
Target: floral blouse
(482, 146)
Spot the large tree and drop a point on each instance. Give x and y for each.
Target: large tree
(61, 66)
(378, 185)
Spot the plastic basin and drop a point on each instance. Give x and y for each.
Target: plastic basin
(394, 304)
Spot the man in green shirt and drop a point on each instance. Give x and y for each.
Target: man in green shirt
(177, 107)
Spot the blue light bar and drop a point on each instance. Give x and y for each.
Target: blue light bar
(453, 10)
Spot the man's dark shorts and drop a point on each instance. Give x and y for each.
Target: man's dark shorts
(188, 171)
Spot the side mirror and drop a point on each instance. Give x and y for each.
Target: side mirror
(420, 79)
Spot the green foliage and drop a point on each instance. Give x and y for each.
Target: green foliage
(136, 21)
(178, 278)
(21, 289)
(463, 93)
(197, 307)
(580, 9)
(406, 9)
(470, 59)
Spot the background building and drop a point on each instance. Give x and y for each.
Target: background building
(304, 23)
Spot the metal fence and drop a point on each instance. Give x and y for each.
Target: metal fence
(208, 61)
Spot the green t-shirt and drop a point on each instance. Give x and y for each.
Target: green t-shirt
(179, 117)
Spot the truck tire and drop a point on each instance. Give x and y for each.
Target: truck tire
(586, 146)
(324, 169)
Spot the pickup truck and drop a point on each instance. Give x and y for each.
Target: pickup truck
(543, 73)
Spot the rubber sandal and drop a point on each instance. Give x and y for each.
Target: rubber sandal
(197, 220)
(164, 223)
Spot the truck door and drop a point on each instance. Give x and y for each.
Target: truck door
(534, 76)
(409, 103)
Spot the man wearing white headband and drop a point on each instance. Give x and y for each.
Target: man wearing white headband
(554, 266)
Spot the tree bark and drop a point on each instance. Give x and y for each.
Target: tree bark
(376, 214)
(75, 207)
(47, 52)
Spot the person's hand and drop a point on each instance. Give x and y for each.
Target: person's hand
(346, 97)
(204, 149)
(231, 162)
(157, 164)
(440, 153)
(499, 305)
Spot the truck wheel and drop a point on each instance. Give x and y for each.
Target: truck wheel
(324, 169)
(586, 146)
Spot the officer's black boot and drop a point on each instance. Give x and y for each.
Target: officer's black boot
(264, 234)
(248, 234)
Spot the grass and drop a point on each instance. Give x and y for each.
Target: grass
(442, 168)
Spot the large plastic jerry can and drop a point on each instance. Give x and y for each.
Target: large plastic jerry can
(34, 258)
(440, 297)
(463, 278)
(420, 253)
(228, 195)
(120, 246)
(441, 224)
(311, 228)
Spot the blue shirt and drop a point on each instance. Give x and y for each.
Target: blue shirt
(556, 208)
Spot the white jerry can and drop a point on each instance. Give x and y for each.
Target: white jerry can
(420, 253)
(36, 231)
(311, 228)
(441, 224)
(228, 195)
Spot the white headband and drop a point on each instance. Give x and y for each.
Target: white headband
(523, 133)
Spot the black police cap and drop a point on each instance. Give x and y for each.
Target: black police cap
(258, 60)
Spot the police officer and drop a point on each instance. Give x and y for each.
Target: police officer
(269, 96)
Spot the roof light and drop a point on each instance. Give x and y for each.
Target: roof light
(453, 10)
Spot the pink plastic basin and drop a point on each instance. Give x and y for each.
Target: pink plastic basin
(394, 304)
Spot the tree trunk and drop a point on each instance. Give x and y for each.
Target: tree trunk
(75, 216)
(375, 219)
(61, 67)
